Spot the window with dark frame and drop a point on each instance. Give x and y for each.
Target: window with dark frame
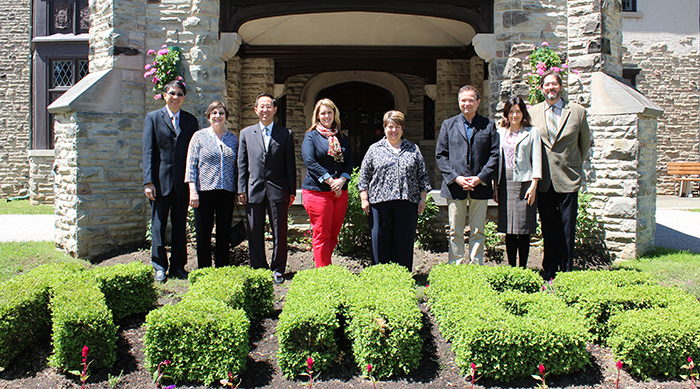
(629, 5)
(60, 59)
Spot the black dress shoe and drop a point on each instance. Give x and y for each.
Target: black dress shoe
(160, 276)
(180, 273)
(277, 278)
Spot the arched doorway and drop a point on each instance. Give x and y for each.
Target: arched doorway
(362, 107)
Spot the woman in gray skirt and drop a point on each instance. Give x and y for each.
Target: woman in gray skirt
(520, 170)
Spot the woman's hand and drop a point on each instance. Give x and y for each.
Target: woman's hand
(421, 206)
(337, 184)
(194, 196)
(364, 199)
(531, 193)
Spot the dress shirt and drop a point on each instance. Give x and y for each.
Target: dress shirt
(387, 175)
(211, 162)
(266, 134)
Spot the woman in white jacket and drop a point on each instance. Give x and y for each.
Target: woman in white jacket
(520, 170)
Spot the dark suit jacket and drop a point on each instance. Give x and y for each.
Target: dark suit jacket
(451, 151)
(165, 153)
(562, 161)
(272, 173)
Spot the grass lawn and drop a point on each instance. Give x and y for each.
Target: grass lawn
(22, 207)
(671, 267)
(19, 257)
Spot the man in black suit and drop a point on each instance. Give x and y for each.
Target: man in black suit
(467, 154)
(267, 179)
(166, 137)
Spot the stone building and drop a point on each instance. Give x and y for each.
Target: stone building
(661, 41)
(367, 56)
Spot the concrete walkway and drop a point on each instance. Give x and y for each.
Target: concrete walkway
(22, 228)
(676, 227)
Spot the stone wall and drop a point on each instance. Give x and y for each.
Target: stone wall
(670, 79)
(15, 102)
(41, 177)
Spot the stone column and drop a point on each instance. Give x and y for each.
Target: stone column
(99, 202)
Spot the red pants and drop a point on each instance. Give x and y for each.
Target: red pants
(326, 213)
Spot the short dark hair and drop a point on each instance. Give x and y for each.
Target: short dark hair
(216, 105)
(551, 72)
(466, 88)
(515, 100)
(274, 101)
(176, 84)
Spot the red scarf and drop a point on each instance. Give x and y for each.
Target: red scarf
(334, 149)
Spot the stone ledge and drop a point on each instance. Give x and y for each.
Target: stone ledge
(96, 92)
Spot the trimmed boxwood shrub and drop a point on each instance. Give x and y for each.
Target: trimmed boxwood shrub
(25, 318)
(508, 333)
(255, 296)
(81, 317)
(204, 338)
(657, 341)
(310, 324)
(384, 321)
(128, 288)
(599, 295)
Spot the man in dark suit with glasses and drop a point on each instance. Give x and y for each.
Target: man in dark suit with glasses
(166, 137)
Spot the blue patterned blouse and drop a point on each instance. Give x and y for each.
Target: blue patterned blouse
(211, 163)
(388, 175)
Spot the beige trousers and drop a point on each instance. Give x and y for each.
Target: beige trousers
(458, 210)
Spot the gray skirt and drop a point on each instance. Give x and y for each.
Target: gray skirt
(515, 216)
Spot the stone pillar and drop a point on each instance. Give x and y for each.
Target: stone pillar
(41, 174)
(257, 76)
(15, 96)
(99, 202)
(595, 44)
(622, 174)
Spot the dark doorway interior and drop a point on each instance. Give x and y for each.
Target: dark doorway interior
(362, 107)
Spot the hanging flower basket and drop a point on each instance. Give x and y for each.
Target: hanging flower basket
(542, 59)
(164, 68)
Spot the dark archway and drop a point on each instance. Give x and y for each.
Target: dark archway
(362, 107)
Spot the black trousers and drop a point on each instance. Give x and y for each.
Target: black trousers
(393, 228)
(558, 217)
(518, 245)
(176, 207)
(277, 213)
(219, 204)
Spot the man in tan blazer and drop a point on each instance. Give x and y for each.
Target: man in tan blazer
(566, 139)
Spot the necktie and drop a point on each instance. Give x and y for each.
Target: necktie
(552, 124)
(267, 138)
(175, 125)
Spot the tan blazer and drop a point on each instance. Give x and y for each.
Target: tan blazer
(562, 161)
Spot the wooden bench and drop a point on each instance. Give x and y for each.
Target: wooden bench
(684, 170)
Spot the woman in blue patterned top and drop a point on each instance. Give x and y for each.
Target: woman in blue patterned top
(393, 187)
(211, 175)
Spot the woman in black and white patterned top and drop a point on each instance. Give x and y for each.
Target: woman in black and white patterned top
(211, 175)
(393, 187)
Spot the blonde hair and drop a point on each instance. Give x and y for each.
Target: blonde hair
(336, 117)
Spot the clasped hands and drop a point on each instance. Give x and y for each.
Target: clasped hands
(336, 185)
(468, 183)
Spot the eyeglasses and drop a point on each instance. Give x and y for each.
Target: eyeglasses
(178, 94)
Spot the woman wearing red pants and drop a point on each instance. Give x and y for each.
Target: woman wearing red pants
(328, 159)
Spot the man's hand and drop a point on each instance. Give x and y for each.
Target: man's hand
(150, 191)
(472, 182)
(243, 198)
(462, 181)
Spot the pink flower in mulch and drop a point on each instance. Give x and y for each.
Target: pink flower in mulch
(541, 366)
(369, 368)
(310, 362)
(619, 364)
(86, 350)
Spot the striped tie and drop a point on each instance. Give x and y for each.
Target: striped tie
(552, 124)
